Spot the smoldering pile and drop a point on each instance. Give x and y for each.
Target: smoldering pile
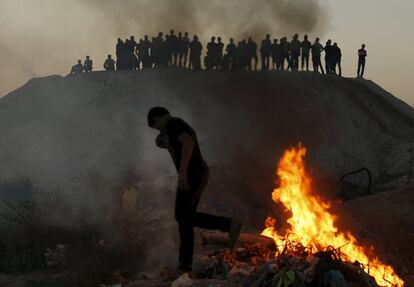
(259, 264)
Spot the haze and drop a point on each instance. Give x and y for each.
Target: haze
(43, 37)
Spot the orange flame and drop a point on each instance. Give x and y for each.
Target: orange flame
(312, 224)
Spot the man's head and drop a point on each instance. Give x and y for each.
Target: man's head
(305, 37)
(87, 57)
(213, 39)
(109, 56)
(317, 40)
(363, 46)
(158, 117)
(79, 61)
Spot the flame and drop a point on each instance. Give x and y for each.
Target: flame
(312, 225)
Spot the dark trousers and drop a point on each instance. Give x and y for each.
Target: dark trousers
(187, 216)
(361, 68)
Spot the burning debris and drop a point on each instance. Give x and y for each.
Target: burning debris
(311, 252)
(313, 227)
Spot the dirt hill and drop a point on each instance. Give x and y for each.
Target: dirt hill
(85, 137)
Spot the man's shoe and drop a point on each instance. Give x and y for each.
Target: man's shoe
(234, 233)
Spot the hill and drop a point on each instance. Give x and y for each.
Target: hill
(85, 138)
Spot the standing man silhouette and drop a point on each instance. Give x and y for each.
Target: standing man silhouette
(362, 54)
(181, 141)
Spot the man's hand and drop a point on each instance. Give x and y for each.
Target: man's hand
(183, 181)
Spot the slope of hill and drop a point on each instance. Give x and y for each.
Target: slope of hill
(83, 137)
(54, 129)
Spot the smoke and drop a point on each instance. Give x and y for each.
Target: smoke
(231, 18)
(44, 37)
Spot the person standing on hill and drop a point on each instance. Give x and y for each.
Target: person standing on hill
(251, 49)
(231, 53)
(265, 52)
(337, 56)
(181, 141)
(195, 54)
(295, 52)
(212, 53)
(328, 57)
(362, 54)
(286, 53)
(306, 46)
(317, 48)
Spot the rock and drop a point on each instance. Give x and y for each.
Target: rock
(183, 281)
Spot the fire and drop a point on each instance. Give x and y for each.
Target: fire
(312, 225)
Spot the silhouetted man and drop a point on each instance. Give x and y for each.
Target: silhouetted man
(328, 57)
(77, 69)
(362, 54)
(219, 56)
(131, 45)
(337, 56)
(277, 55)
(286, 53)
(244, 55)
(306, 46)
(146, 56)
(120, 54)
(195, 54)
(156, 50)
(180, 47)
(87, 64)
(251, 50)
(317, 49)
(186, 47)
(295, 52)
(265, 52)
(212, 52)
(231, 53)
(173, 47)
(181, 141)
(109, 64)
(183, 45)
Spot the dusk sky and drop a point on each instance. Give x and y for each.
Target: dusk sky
(44, 37)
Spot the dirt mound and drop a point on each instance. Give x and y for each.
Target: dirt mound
(85, 138)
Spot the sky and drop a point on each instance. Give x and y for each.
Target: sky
(45, 37)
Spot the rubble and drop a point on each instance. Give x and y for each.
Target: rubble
(255, 265)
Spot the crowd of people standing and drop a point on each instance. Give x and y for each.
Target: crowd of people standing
(179, 51)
